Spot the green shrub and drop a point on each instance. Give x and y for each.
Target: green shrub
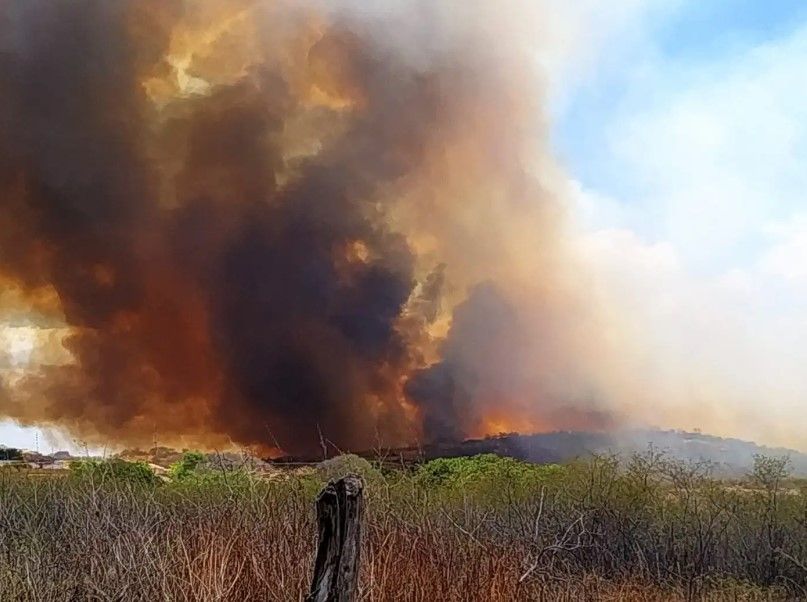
(462, 472)
(114, 470)
(187, 466)
(194, 469)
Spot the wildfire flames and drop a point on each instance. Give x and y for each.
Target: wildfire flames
(256, 221)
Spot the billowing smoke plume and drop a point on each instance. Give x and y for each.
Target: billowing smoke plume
(260, 221)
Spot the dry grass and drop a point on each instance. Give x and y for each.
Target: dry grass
(586, 533)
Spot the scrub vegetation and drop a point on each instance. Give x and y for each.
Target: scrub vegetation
(479, 528)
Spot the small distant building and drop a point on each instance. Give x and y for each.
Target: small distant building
(37, 460)
(56, 465)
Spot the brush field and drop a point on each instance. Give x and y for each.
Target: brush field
(482, 528)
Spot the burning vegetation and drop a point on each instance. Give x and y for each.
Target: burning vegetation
(257, 221)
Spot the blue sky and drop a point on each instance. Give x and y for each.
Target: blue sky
(704, 29)
(686, 36)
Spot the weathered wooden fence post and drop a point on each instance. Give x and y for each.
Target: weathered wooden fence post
(340, 509)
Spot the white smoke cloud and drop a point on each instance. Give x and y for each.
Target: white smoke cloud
(704, 258)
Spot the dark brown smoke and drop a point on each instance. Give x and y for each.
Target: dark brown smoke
(255, 220)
